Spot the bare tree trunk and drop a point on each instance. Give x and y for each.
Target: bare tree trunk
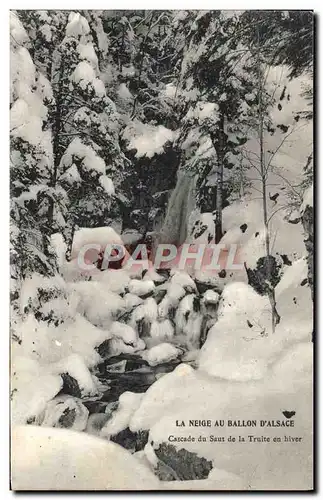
(68, 253)
(55, 130)
(275, 318)
(219, 146)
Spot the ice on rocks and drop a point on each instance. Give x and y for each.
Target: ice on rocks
(162, 330)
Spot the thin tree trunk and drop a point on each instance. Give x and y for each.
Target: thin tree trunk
(275, 318)
(56, 130)
(68, 253)
(219, 146)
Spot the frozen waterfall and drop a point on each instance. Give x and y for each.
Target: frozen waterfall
(181, 205)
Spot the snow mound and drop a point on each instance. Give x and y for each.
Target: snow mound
(52, 459)
(183, 279)
(240, 346)
(188, 394)
(217, 480)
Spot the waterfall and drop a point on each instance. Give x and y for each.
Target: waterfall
(180, 206)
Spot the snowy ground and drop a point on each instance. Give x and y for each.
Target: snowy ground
(148, 332)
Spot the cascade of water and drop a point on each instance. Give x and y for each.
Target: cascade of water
(181, 204)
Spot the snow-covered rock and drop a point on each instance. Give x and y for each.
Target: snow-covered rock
(31, 389)
(65, 412)
(74, 365)
(124, 332)
(115, 280)
(140, 287)
(188, 394)
(101, 236)
(118, 346)
(184, 280)
(183, 312)
(52, 459)
(98, 304)
(131, 300)
(128, 404)
(211, 297)
(161, 353)
(144, 315)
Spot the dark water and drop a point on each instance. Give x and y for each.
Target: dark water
(136, 376)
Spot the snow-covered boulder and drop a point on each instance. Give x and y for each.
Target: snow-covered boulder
(115, 280)
(188, 394)
(31, 389)
(211, 297)
(131, 300)
(65, 412)
(161, 353)
(98, 304)
(128, 404)
(74, 365)
(141, 287)
(52, 459)
(124, 332)
(184, 280)
(118, 346)
(102, 236)
(143, 316)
